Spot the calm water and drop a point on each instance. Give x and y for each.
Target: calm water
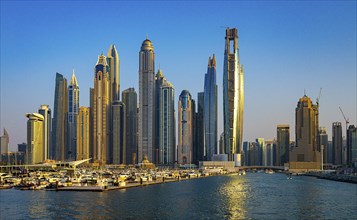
(254, 196)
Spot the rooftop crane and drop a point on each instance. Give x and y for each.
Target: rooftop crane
(346, 119)
(318, 98)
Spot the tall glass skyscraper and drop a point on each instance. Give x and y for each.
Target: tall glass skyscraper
(210, 109)
(73, 107)
(233, 95)
(337, 143)
(45, 111)
(118, 156)
(101, 110)
(186, 110)
(167, 138)
(59, 122)
(199, 148)
(146, 125)
(283, 143)
(129, 97)
(114, 74)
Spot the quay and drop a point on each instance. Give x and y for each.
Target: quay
(335, 177)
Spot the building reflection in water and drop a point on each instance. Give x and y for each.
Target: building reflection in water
(235, 193)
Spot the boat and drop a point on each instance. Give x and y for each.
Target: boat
(269, 171)
(241, 173)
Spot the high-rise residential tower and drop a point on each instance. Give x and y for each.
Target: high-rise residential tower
(282, 144)
(59, 121)
(114, 75)
(45, 111)
(210, 109)
(146, 123)
(159, 81)
(4, 144)
(34, 152)
(233, 95)
(186, 109)
(101, 116)
(337, 143)
(73, 106)
(199, 150)
(119, 133)
(306, 134)
(129, 98)
(83, 133)
(352, 146)
(167, 137)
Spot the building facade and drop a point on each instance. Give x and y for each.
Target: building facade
(4, 144)
(73, 107)
(323, 144)
(352, 146)
(129, 98)
(45, 111)
(35, 145)
(146, 125)
(83, 133)
(59, 121)
(119, 133)
(114, 74)
(199, 148)
(283, 144)
(167, 137)
(306, 150)
(101, 110)
(233, 95)
(337, 143)
(186, 109)
(210, 109)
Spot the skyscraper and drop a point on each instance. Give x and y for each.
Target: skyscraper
(129, 97)
(73, 106)
(210, 109)
(159, 81)
(34, 138)
(4, 144)
(337, 143)
(146, 124)
(186, 109)
(114, 68)
(199, 148)
(323, 143)
(119, 133)
(167, 138)
(91, 123)
(352, 146)
(262, 155)
(101, 117)
(283, 143)
(59, 121)
(233, 95)
(45, 111)
(83, 133)
(306, 135)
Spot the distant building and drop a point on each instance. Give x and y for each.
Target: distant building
(270, 147)
(101, 116)
(323, 143)
(245, 153)
(167, 126)
(210, 109)
(4, 143)
(199, 148)
(73, 107)
(45, 111)
(119, 133)
(22, 147)
(262, 155)
(283, 144)
(59, 121)
(233, 95)
(306, 154)
(352, 146)
(91, 124)
(13, 158)
(146, 124)
(129, 98)
(159, 81)
(83, 134)
(186, 109)
(35, 146)
(114, 73)
(337, 143)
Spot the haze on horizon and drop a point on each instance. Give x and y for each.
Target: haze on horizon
(286, 48)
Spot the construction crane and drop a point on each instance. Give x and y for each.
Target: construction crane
(318, 98)
(346, 119)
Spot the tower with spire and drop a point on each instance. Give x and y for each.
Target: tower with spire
(114, 73)
(73, 107)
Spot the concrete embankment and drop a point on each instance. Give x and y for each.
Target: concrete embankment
(334, 177)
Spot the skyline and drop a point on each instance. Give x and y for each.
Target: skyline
(268, 51)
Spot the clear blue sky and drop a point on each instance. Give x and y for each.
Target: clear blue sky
(285, 47)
